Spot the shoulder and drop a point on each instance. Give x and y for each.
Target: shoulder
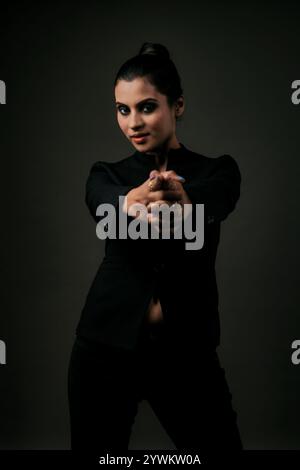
(101, 165)
(210, 165)
(224, 159)
(102, 170)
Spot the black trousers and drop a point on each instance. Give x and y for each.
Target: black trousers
(187, 391)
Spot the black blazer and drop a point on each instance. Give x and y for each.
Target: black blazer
(132, 271)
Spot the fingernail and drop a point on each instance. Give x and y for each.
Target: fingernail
(181, 178)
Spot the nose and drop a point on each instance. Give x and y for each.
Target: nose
(135, 121)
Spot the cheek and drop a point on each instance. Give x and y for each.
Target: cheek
(157, 121)
(122, 124)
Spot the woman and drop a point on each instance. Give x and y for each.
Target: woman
(150, 324)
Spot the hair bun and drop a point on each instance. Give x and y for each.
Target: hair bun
(154, 49)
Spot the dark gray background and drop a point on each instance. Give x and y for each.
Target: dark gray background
(237, 63)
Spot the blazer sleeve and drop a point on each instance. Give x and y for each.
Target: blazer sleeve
(219, 190)
(103, 186)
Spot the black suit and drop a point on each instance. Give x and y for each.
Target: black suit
(115, 363)
(133, 270)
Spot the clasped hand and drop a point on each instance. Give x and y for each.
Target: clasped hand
(166, 187)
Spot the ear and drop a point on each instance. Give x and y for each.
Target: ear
(179, 106)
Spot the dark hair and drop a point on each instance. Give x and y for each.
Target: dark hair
(153, 61)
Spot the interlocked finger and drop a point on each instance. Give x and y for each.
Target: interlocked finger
(156, 183)
(158, 203)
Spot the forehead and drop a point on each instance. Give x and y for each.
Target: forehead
(136, 90)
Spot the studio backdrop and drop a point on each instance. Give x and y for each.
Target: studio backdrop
(239, 63)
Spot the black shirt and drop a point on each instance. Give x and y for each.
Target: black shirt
(133, 270)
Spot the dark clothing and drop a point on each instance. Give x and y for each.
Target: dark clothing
(118, 359)
(188, 394)
(133, 270)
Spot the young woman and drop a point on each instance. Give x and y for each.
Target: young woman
(149, 328)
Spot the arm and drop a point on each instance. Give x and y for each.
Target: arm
(102, 186)
(219, 191)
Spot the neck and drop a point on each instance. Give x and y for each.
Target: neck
(161, 153)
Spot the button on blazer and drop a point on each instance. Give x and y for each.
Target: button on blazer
(134, 270)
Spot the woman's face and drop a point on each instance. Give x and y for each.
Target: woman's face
(141, 109)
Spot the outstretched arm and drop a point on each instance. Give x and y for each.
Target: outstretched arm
(102, 187)
(219, 190)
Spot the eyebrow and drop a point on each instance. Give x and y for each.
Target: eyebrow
(141, 102)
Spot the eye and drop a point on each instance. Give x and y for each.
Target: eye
(120, 109)
(150, 107)
(147, 108)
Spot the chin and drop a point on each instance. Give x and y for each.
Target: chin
(143, 147)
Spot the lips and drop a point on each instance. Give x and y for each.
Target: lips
(136, 136)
